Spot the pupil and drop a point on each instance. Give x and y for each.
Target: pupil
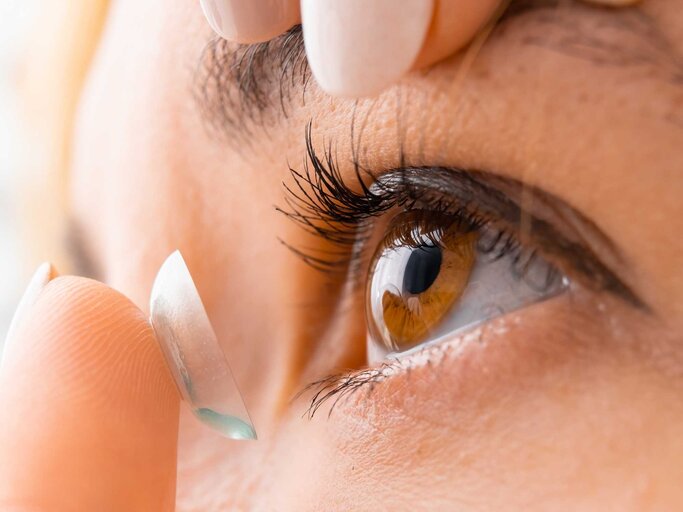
(422, 269)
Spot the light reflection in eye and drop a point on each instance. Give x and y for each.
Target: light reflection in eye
(429, 280)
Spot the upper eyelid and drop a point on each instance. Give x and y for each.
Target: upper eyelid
(322, 194)
(549, 231)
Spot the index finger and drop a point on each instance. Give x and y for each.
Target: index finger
(90, 411)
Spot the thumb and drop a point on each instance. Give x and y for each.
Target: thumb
(89, 409)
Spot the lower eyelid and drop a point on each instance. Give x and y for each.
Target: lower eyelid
(512, 345)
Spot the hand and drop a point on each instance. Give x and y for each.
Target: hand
(359, 47)
(89, 409)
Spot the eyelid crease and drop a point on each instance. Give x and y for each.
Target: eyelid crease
(572, 244)
(325, 205)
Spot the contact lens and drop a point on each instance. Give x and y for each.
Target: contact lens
(193, 354)
(435, 275)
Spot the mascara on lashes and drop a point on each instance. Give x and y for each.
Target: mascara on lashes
(322, 202)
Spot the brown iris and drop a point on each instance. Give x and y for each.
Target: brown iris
(421, 282)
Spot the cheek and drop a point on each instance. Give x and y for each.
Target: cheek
(532, 413)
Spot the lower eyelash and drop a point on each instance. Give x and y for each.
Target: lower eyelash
(336, 387)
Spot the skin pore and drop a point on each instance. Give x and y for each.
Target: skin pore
(572, 403)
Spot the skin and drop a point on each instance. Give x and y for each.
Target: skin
(98, 428)
(569, 404)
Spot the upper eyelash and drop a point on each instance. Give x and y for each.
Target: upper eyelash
(429, 223)
(323, 204)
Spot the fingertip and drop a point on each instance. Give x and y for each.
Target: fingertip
(96, 341)
(88, 402)
(454, 24)
(357, 48)
(42, 275)
(253, 21)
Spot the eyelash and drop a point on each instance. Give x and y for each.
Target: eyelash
(324, 205)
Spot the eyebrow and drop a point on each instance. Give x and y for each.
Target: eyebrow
(243, 88)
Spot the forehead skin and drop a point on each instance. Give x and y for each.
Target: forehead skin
(566, 411)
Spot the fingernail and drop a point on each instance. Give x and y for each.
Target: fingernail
(250, 21)
(359, 47)
(43, 275)
(192, 352)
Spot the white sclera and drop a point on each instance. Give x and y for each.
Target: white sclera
(193, 354)
(493, 289)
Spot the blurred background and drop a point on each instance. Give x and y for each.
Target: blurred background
(16, 19)
(45, 49)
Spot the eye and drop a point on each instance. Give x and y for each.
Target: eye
(435, 274)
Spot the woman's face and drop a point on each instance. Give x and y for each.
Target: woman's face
(567, 397)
